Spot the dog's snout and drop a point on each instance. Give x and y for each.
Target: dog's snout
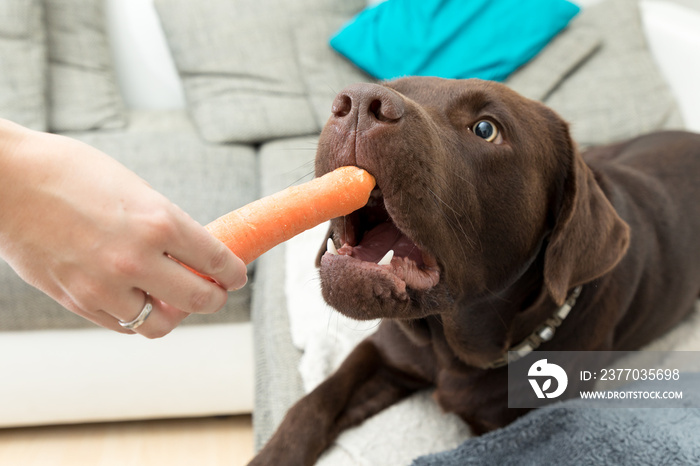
(368, 105)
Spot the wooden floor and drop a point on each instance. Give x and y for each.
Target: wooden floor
(210, 442)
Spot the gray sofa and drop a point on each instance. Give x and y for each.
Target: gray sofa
(580, 74)
(259, 77)
(57, 74)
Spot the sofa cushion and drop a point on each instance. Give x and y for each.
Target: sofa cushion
(277, 380)
(238, 70)
(23, 63)
(204, 180)
(485, 39)
(569, 50)
(239, 66)
(324, 71)
(83, 93)
(617, 91)
(673, 32)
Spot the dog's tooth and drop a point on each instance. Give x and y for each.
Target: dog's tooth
(386, 260)
(331, 247)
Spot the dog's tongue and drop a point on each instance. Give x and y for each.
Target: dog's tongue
(382, 238)
(385, 256)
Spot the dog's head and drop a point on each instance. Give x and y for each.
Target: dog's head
(473, 181)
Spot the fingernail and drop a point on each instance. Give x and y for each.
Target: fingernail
(240, 284)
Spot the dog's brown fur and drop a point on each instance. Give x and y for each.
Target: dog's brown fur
(502, 232)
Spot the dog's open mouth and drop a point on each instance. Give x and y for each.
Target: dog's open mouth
(369, 240)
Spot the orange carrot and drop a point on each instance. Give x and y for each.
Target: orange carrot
(263, 224)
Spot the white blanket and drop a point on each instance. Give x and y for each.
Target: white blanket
(408, 429)
(398, 434)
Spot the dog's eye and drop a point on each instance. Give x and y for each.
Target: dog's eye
(486, 130)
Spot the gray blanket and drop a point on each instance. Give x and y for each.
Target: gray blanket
(572, 433)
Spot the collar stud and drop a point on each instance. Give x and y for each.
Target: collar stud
(543, 333)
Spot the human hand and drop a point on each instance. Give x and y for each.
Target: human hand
(95, 237)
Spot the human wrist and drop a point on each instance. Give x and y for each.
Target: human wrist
(11, 137)
(13, 168)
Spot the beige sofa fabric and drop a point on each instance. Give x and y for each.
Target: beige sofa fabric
(240, 66)
(23, 63)
(83, 92)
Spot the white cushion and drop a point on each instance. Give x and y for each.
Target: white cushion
(673, 32)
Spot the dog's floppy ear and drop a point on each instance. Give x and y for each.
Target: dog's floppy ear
(589, 238)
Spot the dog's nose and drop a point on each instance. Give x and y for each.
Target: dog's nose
(368, 105)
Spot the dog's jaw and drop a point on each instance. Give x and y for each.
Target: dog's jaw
(376, 267)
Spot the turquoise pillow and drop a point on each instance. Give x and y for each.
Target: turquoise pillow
(487, 39)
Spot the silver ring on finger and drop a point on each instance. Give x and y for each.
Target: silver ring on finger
(141, 318)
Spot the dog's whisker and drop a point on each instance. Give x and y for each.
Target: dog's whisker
(453, 221)
(332, 330)
(450, 222)
(332, 89)
(302, 178)
(495, 309)
(300, 149)
(463, 215)
(464, 179)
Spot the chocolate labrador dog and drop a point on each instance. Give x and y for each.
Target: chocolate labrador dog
(485, 220)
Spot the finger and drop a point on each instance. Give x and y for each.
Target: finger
(108, 321)
(180, 288)
(161, 320)
(127, 306)
(86, 311)
(201, 251)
